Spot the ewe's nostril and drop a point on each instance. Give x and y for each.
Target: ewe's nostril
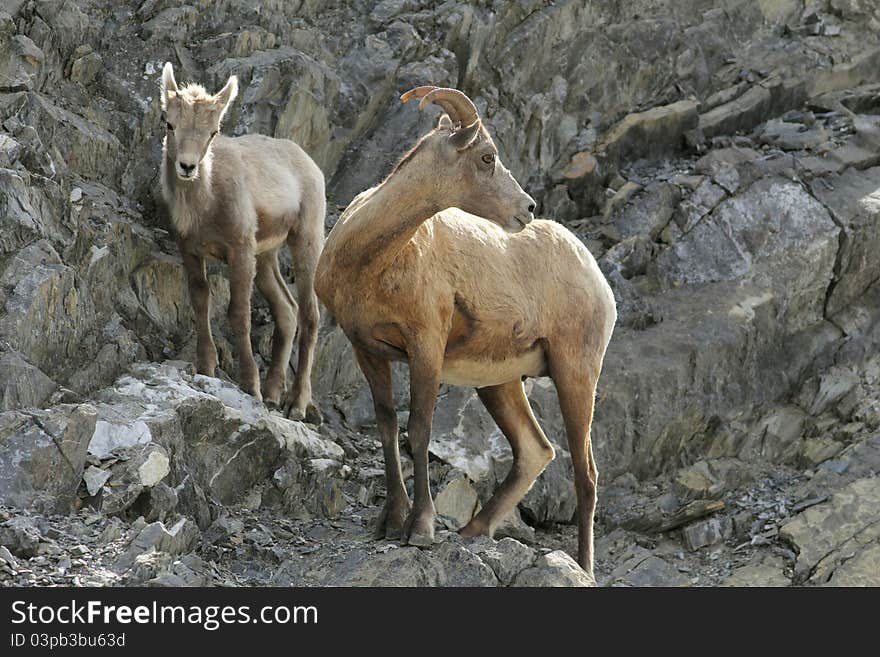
(187, 168)
(532, 207)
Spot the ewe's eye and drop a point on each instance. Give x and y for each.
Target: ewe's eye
(488, 158)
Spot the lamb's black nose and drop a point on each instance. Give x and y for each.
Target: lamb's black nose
(187, 168)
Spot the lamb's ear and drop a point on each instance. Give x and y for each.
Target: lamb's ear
(169, 84)
(226, 95)
(445, 123)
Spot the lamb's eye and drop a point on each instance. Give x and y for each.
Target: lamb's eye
(489, 158)
(169, 126)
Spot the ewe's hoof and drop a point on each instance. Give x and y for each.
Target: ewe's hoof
(313, 415)
(421, 540)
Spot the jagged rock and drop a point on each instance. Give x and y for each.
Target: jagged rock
(110, 437)
(838, 535)
(554, 569)
(506, 557)
(408, 566)
(655, 132)
(21, 536)
(638, 567)
(817, 450)
(792, 136)
(176, 539)
(791, 261)
(207, 433)
(22, 384)
(767, 571)
(42, 456)
(462, 567)
(647, 213)
(854, 199)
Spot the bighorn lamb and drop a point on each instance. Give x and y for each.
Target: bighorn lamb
(239, 199)
(442, 266)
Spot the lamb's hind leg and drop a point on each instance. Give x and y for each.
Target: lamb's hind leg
(284, 315)
(200, 298)
(509, 407)
(305, 244)
(242, 268)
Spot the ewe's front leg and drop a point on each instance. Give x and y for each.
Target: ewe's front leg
(242, 268)
(424, 368)
(200, 298)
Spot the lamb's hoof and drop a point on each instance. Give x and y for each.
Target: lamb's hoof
(272, 404)
(313, 415)
(295, 414)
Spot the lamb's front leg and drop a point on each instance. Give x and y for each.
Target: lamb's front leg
(425, 363)
(242, 268)
(200, 298)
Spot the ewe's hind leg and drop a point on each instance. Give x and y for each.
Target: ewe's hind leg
(575, 380)
(242, 268)
(305, 244)
(509, 407)
(285, 326)
(200, 298)
(393, 516)
(425, 363)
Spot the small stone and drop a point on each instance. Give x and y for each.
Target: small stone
(95, 479)
(154, 469)
(8, 557)
(707, 532)
(76, 195)
(110, 533)
(457, 503)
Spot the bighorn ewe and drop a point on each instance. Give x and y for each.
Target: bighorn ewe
(239, 199)
(441, 266)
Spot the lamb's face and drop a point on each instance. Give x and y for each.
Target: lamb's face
(192, 120)
(190, 127)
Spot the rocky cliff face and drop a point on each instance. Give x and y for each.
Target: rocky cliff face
(720, 159)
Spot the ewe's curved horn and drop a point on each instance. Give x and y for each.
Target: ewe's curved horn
(458, 106)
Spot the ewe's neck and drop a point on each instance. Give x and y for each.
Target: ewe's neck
(382, 221)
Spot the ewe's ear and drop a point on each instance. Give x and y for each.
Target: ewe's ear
(445, 123)
(168, 85)
(226, 95)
